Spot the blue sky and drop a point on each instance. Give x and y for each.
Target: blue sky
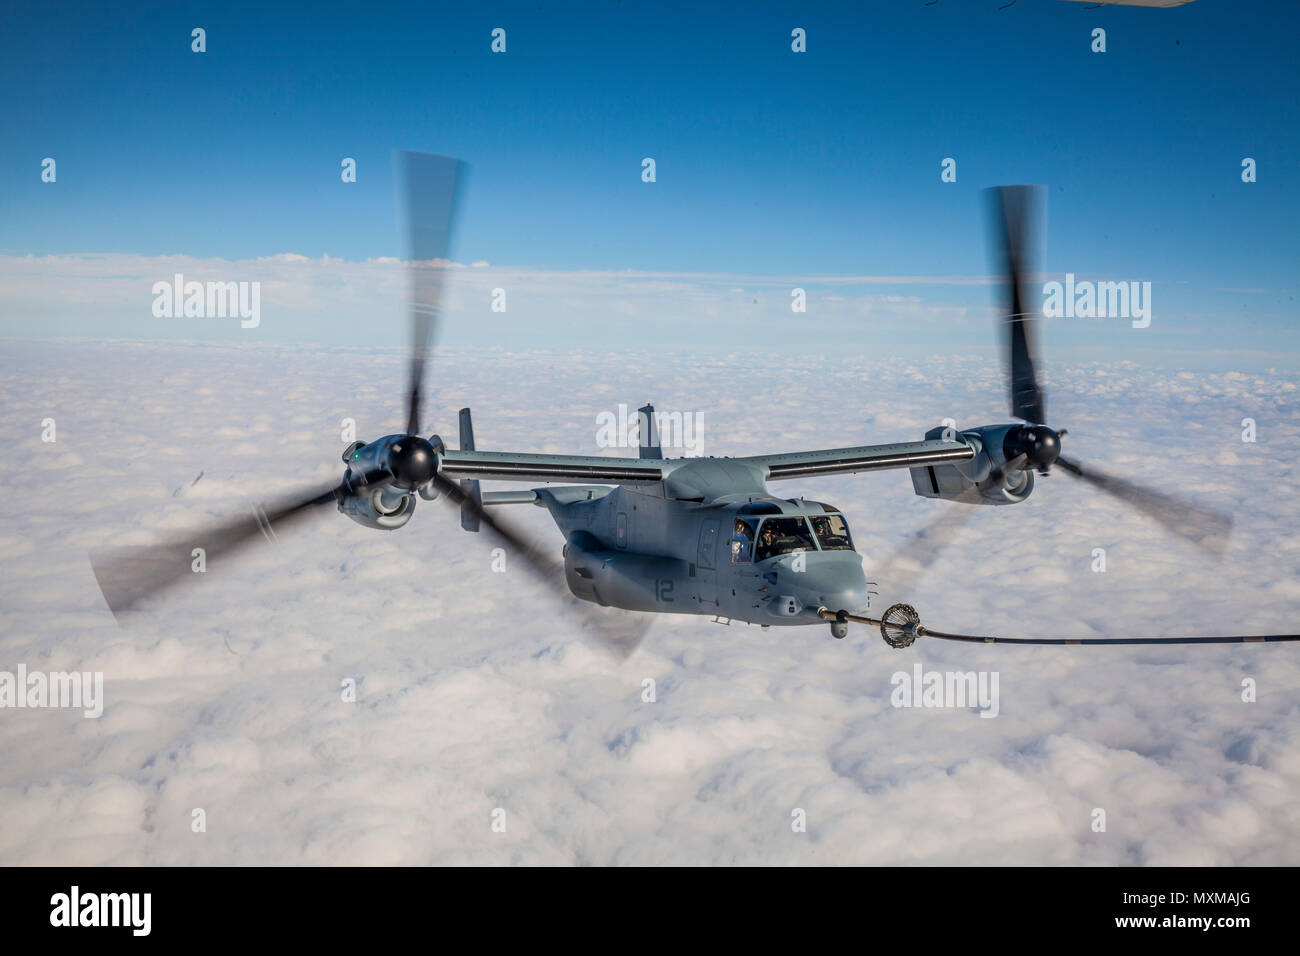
(768, 162)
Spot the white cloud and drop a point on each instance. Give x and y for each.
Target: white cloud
(476, 693)
(334, 301)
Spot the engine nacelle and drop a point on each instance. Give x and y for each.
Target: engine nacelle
(634, 582)
(982, 480)
(389, 506)
(384, 507)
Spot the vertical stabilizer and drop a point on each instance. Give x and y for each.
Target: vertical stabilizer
(468, 519)
(648, 431)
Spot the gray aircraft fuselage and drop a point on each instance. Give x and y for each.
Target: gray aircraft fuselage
(642, 552)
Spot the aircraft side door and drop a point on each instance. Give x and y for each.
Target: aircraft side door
(706, 563)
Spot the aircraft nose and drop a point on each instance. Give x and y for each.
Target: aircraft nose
(852, 600)
(842, 588)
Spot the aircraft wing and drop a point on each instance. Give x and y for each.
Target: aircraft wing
(520, 466)
(847, 461)
(516, 466)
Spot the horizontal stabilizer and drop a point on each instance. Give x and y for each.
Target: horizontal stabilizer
(510, 497)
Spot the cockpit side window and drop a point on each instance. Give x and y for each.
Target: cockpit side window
(781, 536)
(832, 532)
(742, 541)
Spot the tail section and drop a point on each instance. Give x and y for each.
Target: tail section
(468, 519)
(648, 431)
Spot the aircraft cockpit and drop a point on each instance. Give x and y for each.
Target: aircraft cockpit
(756, 538)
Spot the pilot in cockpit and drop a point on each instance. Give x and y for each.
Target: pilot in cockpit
(742, 542)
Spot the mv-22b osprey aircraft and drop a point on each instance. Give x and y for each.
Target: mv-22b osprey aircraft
(699, 535)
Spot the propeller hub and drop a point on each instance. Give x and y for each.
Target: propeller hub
(413, 461)
(1039, 444)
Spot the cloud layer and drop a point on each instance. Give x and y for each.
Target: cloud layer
(334, 301)
(476, 693)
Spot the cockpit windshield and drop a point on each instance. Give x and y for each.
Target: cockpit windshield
(781, 536)
(832, 532)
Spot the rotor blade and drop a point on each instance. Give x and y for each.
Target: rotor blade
(1240, 639)
(621, 631)
(126, 575)
(1202, 526)
(1015, 214)
(428, 188)
(910, 560)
